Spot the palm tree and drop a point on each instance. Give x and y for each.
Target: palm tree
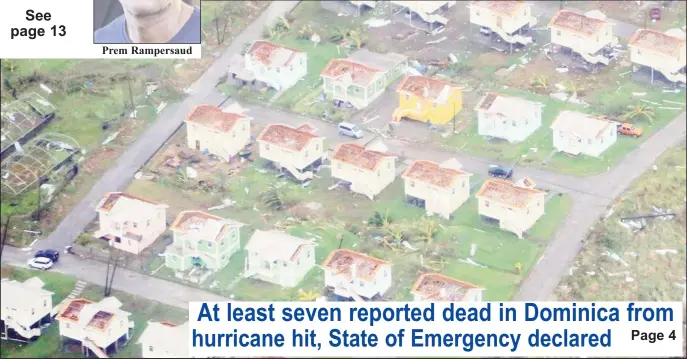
(639, 111)
(427, 228)
(541, 82)
(357, 37)
(284, 23)
(574, 87)
(339, 33)
(307, 296)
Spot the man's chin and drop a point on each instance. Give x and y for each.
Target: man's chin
(146, 11)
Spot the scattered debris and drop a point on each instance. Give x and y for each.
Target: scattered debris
(560, 87)
(669, 108)
(408, 245)
(161, 106)
(438, 30)
(562, 70)
(470, 261)
(666, 251)
(151, 87)
(191, 173)
(473, 249)
(436, 41)
(616, 258)
(624, 73)
(677, 103)
(110, 138)
(638, 93)
(671, 91)
(560, 96)
(46, 88)
(453, 58)
(651, 102)
(227, 202)
(374, 22)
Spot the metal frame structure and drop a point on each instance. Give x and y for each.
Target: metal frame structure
(22, 116)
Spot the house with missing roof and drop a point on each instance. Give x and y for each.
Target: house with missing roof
(101, 328)
(589, 35)
(437, 287)
(24, 309)
(362, 77)
(164, 340)
(510, 118)
(297, 150)
(130, 223)
(431, 12)
(515, 206)
(509, 20)
(437, 187)
(363, 169)
(355, 275)
(426, 99)
(578, 133)
(213, 131)
(202, 239)
(664, 52)
(277, 66)
(278, 258)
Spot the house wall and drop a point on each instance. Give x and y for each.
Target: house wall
(71, 330)
(279, 77)
(569, 143)
(473, 295)
(423, 109)
(369, 183)
(157, 352)
(494, 125)
(288, 158)
(148, 227)
(117, 328)
(658, 61)
(443, 201)
(32, 309)
(581, 44)
(364, 288)
(361, 96)
(485, 17)
(213, 255)
(516, 220)
(221, 144)
(283, 273)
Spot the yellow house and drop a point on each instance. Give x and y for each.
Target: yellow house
(439, 188)
(515, 206)
(427, 100)
(664, 52)
(505, 18)
(586, 34)
(367, 171)
(214, 131)
(297, 150)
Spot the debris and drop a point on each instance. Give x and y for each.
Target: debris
(619, 87)
(110, 138)
(629, 279)
(462, 37)
(560, 87)
(407, 245)
(370, 120)
(334, 186)
(341, 14)
(559, 95)
(638, 93)
(138, 175)
(174, 162)
(671, 91)
(473, 250)
(562, 70)
(150, 88)
(191, 173)
(571, 270)
(133, 114)
(470, 261)
(524, 61)
(534, 149)
(677, 103)
(438, 30)
(624, 73)
(245, 189)
(666, 251)
(32, 232)
(653, 103)
(374, 22)
(261, 170)
(46, 88)
(616, 258)
(453, 58)
(314, 206)
(590, 273)
(227, 202)
(161, 106)
(669, 108)
(436, 41)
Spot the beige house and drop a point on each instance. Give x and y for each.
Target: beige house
(297, 150)
(277, 66)
(278, 258)
(586, 34)
(219, 133)
(510, 118)
(130, 223)
(664, 52)
(440, 288)
(439, 188)
(100, 328)
(507, 19)
(164, 340)
(515, 206)
(365, 169)
(356, 276)
(578, 133)
(25, 307)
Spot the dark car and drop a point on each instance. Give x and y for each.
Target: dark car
(48, 253)
(501, 172)
(655, 14)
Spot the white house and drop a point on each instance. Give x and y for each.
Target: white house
(505, 18)
(164, 340)
(430, 12)
(355, 275)
(440, 288)
(515, 206)
(278, 258)
(586, 34)
(664, 52)
(217, 132)
(24, 309)
(510, 118)
(298, 150)
(279, 67)
(438, 187)
(578, 133)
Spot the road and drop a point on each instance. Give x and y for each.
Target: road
(592, 195)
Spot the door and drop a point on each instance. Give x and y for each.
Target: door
(198, 144)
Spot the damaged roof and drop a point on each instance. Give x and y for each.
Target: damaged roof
(506, 193)
(353, 264)
(507, 106)
(202, 226)
(581, 124)
(350, 71)
(438, 287)
(578, 23)
(358, 156)
(433, 173)
(277, 245)
(125, 203)
(507, 8)
(214, 118)
(271, 54)
(287, 137)
(427, 88)
(656, 41)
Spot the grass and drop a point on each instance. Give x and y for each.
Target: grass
(649, 276)
(48, 345)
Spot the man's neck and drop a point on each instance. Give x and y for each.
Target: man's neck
(160, 27)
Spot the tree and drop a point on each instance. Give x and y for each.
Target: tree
(541, 83)
(427, 229)
(305, 32)
(518, 267)
(112, 262)
(357, 37)
(307, 296)
(638, 111)
(574, 87)
(339, 33)
(218, 16)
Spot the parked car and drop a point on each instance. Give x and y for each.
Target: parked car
(48, 253)
(350, 130)
(630, 130)
(40, 263)
(500, 172)
(655, 14)
(485, 31)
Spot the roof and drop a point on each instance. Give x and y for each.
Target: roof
(166, 336)
(345, 262)
(439, 287)
(276, 245)
(580, 124)
(202, 226)
(384, 62)
(358, 156)
(433, 173)
(507, 8)
(577, 23)
(506, 193)
(350, 72)
(271, 54)
(510, 107)
(426, 88)
(125, 203)
(72, 309)
(15, 293)
(214, 118)
(284, 136)
(657, 42)
(421, 6)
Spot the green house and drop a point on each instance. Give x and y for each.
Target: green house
(202, 239)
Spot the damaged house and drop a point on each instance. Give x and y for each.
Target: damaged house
(440, 288)
(431, 12)
(297, 150)
(164, 340)
(510, 118)
(356, 276)
(439, 188)
(25, 308)
(363, 169)
(428, 100)
(664, 52)
(509, 21)
(278, 258)
(578, 133)
(589, 35)
(213, 131)
(515, 206)
(276, 66)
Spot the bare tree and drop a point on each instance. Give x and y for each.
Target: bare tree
(112, 262)
(221, 33)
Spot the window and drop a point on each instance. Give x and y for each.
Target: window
(233, 133)
(639, 52)
(513, 123)
(589, 141)
(388, 165)
(66, 325)
(284, 263)
(135, 225)
(150, 348)
(454, 190)
(109, 331)
(338, 165)
(33, 311)
(486, 203)
(528, 211)
(317, 146)
(434, 105)
(243, 127)
(290, 67)
(224, 256)
(301, 61)
(526, 122)
(147, 223)
(462, 184)
(307, 254)
(117, 225)
(412, 183)
(379, 174)
(45, 303)
(209, 244)
(306, 153)
(560, 133)
(174, 258)
(362, 284)
(597, 39)
(558, 32)
(277, 69)
(298, 261)
(538, 203)
(386, 273)
(221, 243)
(477, 13)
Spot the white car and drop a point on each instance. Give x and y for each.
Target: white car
(40, 263)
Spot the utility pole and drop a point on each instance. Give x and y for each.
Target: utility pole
(7, 226)
(131, 95)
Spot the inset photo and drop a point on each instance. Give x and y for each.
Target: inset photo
(146, 21)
